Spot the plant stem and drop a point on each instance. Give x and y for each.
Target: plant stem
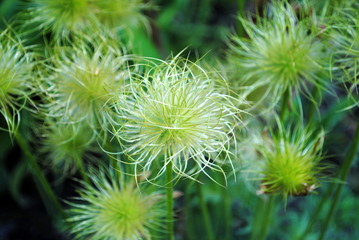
(267, 218)
(343, 175)
(81, 166)
(38, 175)
(313, 106)
(227, 213)
(189, 223)
(169, 187)
(262, 218)
(204, 209)
(284, 105)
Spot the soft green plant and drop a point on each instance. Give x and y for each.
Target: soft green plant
(67, 17)
(110, 209)
(16, 78)
(345, 38)
(281, 54)
(68, 145)
(61, 17)
(291, 160)
(84, 81)
(123, 14)
(175, 112)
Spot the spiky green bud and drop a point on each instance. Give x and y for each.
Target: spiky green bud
(108, 209)
(282, 53)
(65, 17)
(68, 145)
(84, 81)
(345, 38)
(291, 161)
(16, 78)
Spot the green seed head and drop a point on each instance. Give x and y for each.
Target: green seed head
(291, 161)
(61, 16)
(175, 111)
(67, 146)
(282, 53)
(113, 211)
(16, 78)
(121, 13)
(345, 38)
(64, 18)
(84, 82)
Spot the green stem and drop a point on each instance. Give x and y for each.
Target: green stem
(313, 105)
(38, 175)
(262, 221)
(227, 213)
(204, 209)
(189, 220)
(267, 218)
(81, 166)
(344, 173)
(284, 105)
(169, 187)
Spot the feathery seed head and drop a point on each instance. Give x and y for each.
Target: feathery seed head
(65, 17)
(84, 83)
(114, 211)
(68, 145)
(61, 16)
(291, 161)
(281, 54)
(121, 13)
(175, 111)
(15, 78)
(345, 38)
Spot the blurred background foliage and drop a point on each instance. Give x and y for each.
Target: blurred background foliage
(201, 26)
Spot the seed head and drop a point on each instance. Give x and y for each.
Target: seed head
(68, 145)
(61, 17)
(16, 78)
(291, 161)
(175, 112)
(68, 17)
(345, 39)
(282, 53)
(111, 210)
(84, 82)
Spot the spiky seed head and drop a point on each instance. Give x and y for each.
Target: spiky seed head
(65, 18)
(345, 40)
(61, 17)
(291, 161)
(175, 111)
(121, 13)
(16, 78)
(83, 83)
(68, 145)
(282, 53)
(113, 210)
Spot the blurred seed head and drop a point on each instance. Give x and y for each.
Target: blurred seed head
(175, 112)
(16, 78)
(290, 161)
(282, 53)
(83, 82)
(64, 18)
(345, 39)
(114, 210)
(68, 146)
(61, 17)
